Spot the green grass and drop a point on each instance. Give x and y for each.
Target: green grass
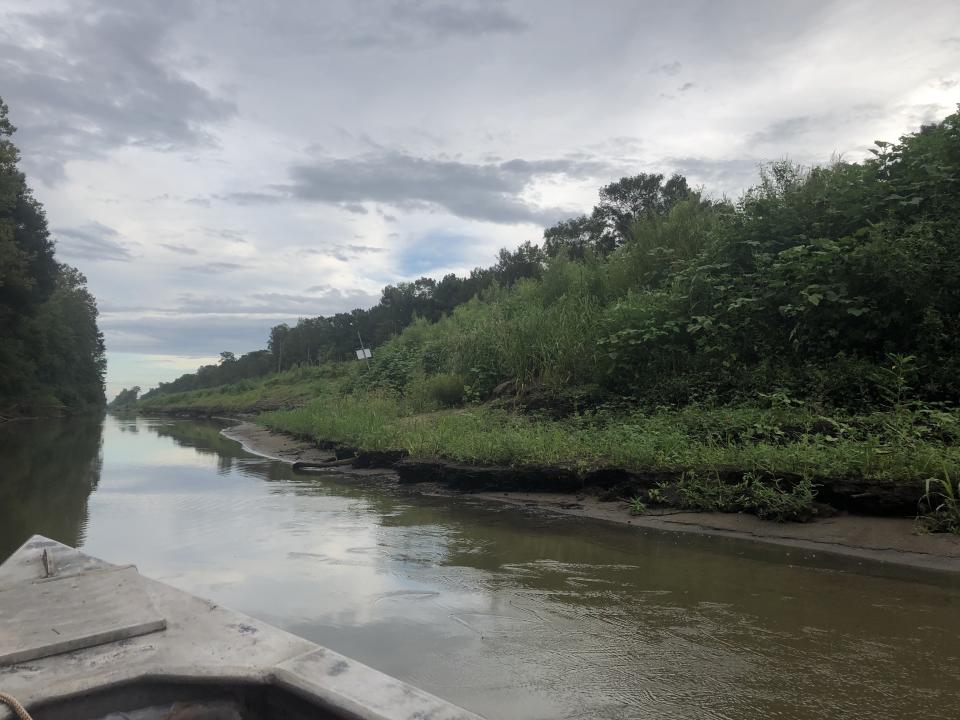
(885, 447)
(940, 506)
(289, 389)
(765, 498)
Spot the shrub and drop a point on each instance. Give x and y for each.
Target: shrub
(761, 496)
(445, 390)
(769, 501)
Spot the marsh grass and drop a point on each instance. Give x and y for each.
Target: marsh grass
(939, 508)
(769, 443)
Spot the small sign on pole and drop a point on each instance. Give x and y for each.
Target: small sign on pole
(364, 352)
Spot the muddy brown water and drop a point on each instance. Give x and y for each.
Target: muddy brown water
(506, 612)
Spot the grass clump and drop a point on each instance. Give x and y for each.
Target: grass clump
(637, 506)
(769, 501)
(765, 497)
(940, 506)
(432, 392)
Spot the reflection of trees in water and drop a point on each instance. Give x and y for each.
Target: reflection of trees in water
(201, 435)
(574, 562)
(50, 467)
(515, 548)
(125, 421)
(204, 437)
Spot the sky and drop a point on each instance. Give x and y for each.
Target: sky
(216, 168)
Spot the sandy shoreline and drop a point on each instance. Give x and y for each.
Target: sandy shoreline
(889, 540)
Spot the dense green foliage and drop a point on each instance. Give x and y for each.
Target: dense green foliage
(835, 285)
(51, 351)
(230, 369)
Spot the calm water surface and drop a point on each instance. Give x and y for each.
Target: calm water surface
(510, 614)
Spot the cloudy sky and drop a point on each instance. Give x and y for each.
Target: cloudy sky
(215, 168)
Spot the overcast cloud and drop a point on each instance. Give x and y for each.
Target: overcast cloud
(90, 241)
(217, 168)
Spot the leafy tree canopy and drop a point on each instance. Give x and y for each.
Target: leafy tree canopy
(51, 351)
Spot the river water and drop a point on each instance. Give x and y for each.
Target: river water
(508, 613)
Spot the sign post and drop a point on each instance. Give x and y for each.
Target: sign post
(363, 353)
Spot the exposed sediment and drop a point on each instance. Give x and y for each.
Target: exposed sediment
(887, 539)
(856, 495)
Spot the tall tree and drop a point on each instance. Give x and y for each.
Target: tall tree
(51, 352)
(622, 204)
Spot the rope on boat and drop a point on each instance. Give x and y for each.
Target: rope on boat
(19, 710)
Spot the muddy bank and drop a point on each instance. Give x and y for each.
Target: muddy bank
(854, 495)
(845, 494)
(884, 539)
(859, 496)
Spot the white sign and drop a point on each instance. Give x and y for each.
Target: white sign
(365, 353)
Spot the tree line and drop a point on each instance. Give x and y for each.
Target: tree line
(335, 338)
(52, 356)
